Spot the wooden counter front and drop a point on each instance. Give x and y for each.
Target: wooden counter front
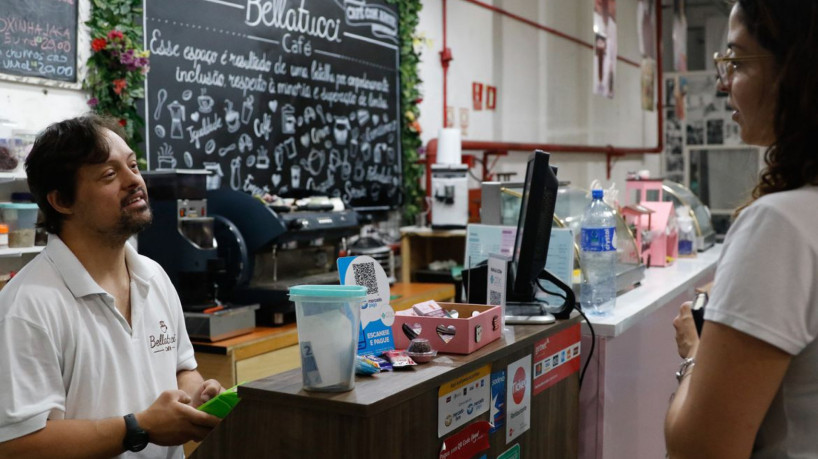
(391, 415)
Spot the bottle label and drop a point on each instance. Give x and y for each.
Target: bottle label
(598, 239)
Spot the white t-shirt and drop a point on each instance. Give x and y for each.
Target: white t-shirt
(766, 286)
(67, 353)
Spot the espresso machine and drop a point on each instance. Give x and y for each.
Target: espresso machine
(181, 239)
(266, 252)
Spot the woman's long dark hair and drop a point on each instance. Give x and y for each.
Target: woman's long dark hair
(789, 30)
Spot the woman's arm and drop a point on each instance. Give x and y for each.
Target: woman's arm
(719, 406)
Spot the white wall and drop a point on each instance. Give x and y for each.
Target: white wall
(489, 48)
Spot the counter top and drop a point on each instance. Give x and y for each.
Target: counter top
(374, 394)
(659, 285)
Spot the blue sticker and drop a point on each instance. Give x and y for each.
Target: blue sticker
(497, 412)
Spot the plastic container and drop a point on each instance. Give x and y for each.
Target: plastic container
(421, 350)
(4, 236)
(598, 257)
(328, 318)
(21, 219)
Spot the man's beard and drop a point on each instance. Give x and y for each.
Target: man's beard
(133, 223)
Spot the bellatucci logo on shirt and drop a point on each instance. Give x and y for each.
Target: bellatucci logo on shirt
(163, 342)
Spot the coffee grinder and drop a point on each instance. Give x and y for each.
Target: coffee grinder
(181, 236)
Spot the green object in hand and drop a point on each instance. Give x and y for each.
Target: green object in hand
(221, 405)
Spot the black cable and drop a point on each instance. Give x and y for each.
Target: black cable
(593, 344)
(590, 327)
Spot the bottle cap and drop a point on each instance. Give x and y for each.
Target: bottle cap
(596, 194)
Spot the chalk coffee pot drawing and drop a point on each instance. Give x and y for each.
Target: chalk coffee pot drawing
(177, 115)
(288, 119)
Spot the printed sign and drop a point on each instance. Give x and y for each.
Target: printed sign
(497, 414)
(466, 443)
(518, 398)
(463, 399)
(377, 315)
(556, 358)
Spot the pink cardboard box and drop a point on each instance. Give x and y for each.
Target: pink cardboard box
(470, 333)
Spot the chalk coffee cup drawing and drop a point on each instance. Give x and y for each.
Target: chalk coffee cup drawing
(166, 162)
(247, 109)
(205, 102)
(341, 130)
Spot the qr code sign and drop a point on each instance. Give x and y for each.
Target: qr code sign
(495, 297)
(365, 277)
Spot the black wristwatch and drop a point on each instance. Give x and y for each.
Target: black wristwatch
(136, 439)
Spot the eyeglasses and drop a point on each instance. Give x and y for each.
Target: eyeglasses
(725, 64)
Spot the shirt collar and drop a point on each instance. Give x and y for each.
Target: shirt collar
(77, 278)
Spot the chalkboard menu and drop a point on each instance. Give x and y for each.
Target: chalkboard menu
(288, 97)
(38, 38)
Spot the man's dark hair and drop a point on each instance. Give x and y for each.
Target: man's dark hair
(58, 153)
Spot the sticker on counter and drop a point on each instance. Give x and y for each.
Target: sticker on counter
(497, 413)
(511, 453)
(463, 399)
(556, 358)
(518, 398)
(466, 443)
(377, 315)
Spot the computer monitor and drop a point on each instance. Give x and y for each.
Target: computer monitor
(534, 234)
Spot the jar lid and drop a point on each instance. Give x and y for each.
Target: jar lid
(18, 205)
(331, 291)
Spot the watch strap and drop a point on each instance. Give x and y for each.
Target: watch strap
(136, 439)
(684, 368)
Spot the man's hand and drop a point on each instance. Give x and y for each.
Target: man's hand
(170, 420)
(205, 392)
(687, 339)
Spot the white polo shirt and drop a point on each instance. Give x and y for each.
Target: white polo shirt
(67, 353)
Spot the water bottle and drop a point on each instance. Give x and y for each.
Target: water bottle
(598, 257)
(687, 236)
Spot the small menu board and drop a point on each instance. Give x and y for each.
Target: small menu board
(38, 38)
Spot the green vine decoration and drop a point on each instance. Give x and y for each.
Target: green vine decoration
(117, 66)
(408, 11)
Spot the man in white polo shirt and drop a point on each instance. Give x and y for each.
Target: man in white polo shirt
(95, 360)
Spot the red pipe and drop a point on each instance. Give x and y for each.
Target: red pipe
(609, 150)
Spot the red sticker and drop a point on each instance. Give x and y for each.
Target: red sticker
(556, 358)
(469, 441)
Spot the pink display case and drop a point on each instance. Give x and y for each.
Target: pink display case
(470, 333)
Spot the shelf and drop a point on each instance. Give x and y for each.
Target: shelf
(19, 251)
(19, 174)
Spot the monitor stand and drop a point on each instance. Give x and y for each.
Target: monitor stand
(531, 311)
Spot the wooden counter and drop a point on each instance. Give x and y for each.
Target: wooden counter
(392, 414)
(270, 350)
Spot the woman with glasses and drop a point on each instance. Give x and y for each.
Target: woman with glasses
(749, 386)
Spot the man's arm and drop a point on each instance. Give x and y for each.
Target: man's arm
(196, 387)
(170, 420)
(72, 438)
